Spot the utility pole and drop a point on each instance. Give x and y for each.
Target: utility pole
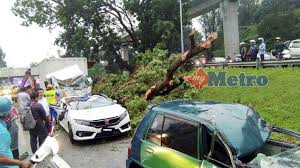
(181, 29)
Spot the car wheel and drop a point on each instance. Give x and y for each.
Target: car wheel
(71, 135)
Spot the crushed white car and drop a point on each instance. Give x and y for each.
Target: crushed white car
(91, 117)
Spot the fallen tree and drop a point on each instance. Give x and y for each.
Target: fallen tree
(168, 84)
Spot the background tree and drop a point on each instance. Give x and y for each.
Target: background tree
(2, 61)
(212, 22)
(159, 21)
(97, 29)
(281, 20)
(91, 28)
(248, 12)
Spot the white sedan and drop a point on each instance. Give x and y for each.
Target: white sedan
(294, 49)
(92, 117)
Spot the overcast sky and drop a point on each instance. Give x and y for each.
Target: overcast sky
(24, 45)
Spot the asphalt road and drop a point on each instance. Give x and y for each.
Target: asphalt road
(101, 153)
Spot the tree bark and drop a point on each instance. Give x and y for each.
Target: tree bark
(167, 83)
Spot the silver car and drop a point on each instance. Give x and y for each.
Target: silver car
(294, 48)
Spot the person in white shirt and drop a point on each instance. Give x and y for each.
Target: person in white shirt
(43, 101)
(261, 49)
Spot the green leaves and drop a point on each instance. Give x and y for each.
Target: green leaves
(280, 20)
(40, 12)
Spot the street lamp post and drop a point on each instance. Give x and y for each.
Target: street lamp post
(181, 29)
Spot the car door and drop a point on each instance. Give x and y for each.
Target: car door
(171, 143)
(215, 152)
(63, 115)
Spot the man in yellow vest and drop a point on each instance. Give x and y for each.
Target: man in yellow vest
(52, 98)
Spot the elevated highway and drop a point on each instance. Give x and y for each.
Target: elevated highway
(230, 20)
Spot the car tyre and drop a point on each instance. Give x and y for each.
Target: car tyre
(71, 135)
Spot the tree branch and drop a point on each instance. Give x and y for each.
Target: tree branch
(58, 2)
(120, 19)
(165, 84)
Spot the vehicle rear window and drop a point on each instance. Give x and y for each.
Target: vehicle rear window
(180, 136)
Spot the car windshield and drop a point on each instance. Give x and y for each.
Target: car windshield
(295, 44)
(93, 102)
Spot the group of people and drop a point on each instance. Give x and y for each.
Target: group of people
(34, 101)
(255, 52)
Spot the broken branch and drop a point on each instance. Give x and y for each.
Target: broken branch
(159, 88)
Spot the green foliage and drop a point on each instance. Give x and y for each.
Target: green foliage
(136, 108)
(2, 61)
(275, 25)
(278, 18)
(248, 12)
(248, 33)
(219, 53)
(130, 89)
(158, 22)
(150, 55)
(211, 22)
(97, 70)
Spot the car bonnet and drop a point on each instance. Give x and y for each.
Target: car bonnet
(98, 113)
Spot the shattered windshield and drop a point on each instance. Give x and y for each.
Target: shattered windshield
(93, 102)
(289, 158)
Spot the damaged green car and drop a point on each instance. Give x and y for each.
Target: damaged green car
(201, 134)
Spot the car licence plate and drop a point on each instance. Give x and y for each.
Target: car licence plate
(105, 129)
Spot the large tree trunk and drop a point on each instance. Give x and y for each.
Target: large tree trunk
(168, 82)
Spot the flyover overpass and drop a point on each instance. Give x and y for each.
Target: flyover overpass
(230, 20)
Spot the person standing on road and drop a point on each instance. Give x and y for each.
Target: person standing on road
(43, 101)
(6, 156)
(13, 129)
(39, 133)
(23, 101)
(52, 97)
(261, 49)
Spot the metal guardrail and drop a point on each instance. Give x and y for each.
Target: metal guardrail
(258, 64)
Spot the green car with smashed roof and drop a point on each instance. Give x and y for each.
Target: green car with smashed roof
(202, 134)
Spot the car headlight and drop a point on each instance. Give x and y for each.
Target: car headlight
(123, 115)
(81, 122)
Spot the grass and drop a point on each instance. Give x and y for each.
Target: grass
(278, 102)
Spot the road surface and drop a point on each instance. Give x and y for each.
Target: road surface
(101, 153)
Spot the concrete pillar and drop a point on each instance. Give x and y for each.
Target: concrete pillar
(231, 27)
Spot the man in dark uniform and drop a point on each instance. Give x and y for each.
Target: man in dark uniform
(278, 48)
